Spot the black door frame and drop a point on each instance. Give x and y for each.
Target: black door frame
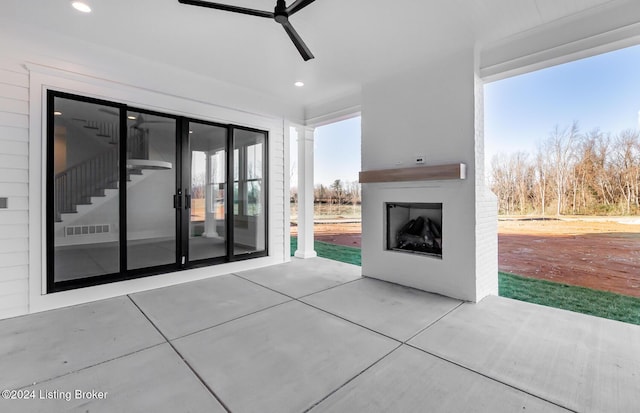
(181, 197)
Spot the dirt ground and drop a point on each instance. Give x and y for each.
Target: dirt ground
(598, 253)
(349, 234)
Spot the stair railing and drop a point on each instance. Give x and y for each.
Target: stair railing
(77, 184)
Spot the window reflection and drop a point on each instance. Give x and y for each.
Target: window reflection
(207, 224)
(249, 199)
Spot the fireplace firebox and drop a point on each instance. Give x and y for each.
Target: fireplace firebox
(414, 228)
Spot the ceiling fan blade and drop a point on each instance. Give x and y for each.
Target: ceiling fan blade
(297, 41)
(298, 5)
(227, 7)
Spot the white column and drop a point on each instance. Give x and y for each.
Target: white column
(305, 193)
(209, 204)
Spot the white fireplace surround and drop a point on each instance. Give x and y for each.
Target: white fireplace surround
(456, 274)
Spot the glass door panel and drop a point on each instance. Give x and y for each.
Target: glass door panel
(132, 193)
(151, 184)
(85, 198)
(208, 185)
(249, 212)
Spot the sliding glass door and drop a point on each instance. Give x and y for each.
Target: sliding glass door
(226, 221)
(132, 193)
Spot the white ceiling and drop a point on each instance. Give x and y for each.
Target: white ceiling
(354, 41)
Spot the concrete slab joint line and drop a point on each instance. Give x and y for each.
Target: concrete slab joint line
(589, 363)
(351, 379)
(186, 363)
(238, 359)
(312, 335)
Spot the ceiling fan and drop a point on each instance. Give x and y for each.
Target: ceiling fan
(280, 14)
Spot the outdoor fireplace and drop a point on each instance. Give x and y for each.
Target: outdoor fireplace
(414, 228)
(462, 262)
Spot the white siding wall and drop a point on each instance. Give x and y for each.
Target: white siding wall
(23, 86)
(279, 199)
(14, 178)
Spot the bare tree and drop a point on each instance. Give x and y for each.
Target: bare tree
(603, 181)
(320, 193)
(338, 191)
(627, 165)
(589, 173)
(198, 183)
(293, 191)
(561, 143)
(353, 193)
(542, 175)
(504, 182)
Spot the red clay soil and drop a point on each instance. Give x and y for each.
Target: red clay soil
(348, 234)
(602, 255)
(599, 255)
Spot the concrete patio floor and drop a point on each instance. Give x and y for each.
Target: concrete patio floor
(312, 335)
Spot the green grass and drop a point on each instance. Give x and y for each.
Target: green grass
(579, 299)
(350, 255)
(568, 297)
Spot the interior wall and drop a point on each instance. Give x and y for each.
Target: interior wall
(80, 145)
(150, 196)
(60, 149)
(31, 64)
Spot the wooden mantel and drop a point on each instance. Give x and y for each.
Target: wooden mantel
(420, 173)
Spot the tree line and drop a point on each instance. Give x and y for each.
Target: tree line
(338, 193)
(571, 172)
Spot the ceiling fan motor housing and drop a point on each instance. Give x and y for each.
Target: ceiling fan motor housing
(281, 17)
(280, 12)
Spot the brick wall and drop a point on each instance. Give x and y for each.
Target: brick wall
(486, 211)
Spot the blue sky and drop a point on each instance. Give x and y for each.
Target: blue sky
(598, 92)
(337, 152)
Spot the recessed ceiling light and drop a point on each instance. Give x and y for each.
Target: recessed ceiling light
(299, 84)
(131, 117)
(190, 131)
(57, 113)
(81, 6)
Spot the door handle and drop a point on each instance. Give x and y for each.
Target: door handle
(187, 201)
(177, 201)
